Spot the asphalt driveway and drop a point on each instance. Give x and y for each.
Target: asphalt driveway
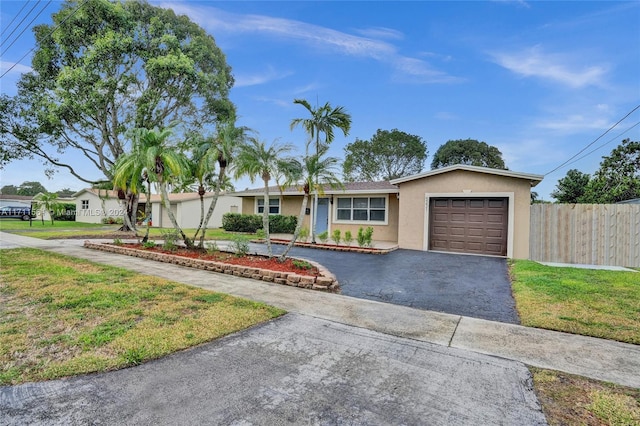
(473, 286)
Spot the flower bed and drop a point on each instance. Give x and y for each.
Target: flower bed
(333, 247)
(251, 266)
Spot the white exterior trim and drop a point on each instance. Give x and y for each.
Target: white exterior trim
(334, 210)
(535, 179)
(511, 216)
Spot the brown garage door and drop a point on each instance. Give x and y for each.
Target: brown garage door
(469, 225)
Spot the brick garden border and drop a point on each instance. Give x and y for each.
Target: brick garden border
(325, 282)
(332, 247)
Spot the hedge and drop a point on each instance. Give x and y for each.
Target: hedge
(278, 224)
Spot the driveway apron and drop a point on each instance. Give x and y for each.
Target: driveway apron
(473, 286)
(294, 370)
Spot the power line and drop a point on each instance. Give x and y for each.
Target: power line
(596, 140)
(48, 35)
(606, 143)
(14, 18)
(20, 23)
(28, 26)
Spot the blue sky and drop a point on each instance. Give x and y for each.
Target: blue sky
(538, 80)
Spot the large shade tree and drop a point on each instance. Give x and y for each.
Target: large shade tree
(469, 152)
(389, 154)
(323, 120)
(618, 178)
(257, 159)
(571, 188)
(102, 67)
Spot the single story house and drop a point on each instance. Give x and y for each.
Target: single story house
(460, 208)
(94, 205)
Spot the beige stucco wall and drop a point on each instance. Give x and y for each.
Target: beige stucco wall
(413, 211)
(290, 205)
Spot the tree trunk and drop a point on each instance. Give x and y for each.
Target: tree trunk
(296, 233)
(201, 193)
(265, 218)
(174, 222)
(147, 212)
(130, 207)
(212, 206)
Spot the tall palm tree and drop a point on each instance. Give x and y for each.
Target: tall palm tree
(323, 119)
(161, 162)
(256, 159)
(222, 147)
(315, 173)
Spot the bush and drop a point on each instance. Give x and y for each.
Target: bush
(65, 212)
(323, 237)
(336, 236)
(304, 234)
(240, 245)
(236, 222)
(365, 237)
(278, 224)
(170, 240)
(348, 238)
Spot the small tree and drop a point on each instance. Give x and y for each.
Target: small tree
(571, 188)
(47, 202)
(469, 152)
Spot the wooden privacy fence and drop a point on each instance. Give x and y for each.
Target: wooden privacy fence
(595, 234)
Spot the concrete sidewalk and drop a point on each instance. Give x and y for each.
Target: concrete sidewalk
(586, 356)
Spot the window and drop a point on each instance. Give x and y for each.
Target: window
(362, 209)
(274, 205)
(85, 205)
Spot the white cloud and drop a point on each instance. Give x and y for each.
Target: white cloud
(574, 123)
(218, 21)
(381, 32)
(443, 115)
(269, 74)
(534, 62)
(17, 68)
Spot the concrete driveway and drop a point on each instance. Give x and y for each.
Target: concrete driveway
(294, 370)
(473, 286)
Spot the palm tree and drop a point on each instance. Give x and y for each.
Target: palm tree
(323, 119)
(256, 159)
(47, 201)
(222, 147)
(160, 161)
(316, 172)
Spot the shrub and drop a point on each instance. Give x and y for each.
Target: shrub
(304, 234)
(323, 237)
(261, 234)
(336, 236)
(149, 244)
(212, 247)
(302, 264)
(117, 241)
(348, 238)
(65, 212)
(170, 240)
(236, 222)
(279, 224)
(240, 245)
(365, 237)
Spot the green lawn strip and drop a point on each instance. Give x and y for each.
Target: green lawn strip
(595, 303)
(65, 229)
(61, 316)
(574, 400)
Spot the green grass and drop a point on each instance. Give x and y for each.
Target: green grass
(61, 316)
(62, 229)
(595, 303)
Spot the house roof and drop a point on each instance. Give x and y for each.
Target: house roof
(534, 179)
(173, 197)
(382, 187)
(8, 197)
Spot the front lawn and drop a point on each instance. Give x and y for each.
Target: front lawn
(66, 229)
(62, 316)
(595, 303)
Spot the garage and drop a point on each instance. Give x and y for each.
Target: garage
(469, 225)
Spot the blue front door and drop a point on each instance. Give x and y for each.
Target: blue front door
(322, 220)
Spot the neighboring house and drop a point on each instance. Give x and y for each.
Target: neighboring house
(462, 209)
(15, 200)
(93, 205)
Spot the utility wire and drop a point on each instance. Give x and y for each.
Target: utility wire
(48, 35)
(15, 17)
(606, 143)
(20, 23)
(28, 26)
(596, 140)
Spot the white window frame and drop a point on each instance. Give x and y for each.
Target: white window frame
(362, 222)
(261, 199)
(84, 204)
